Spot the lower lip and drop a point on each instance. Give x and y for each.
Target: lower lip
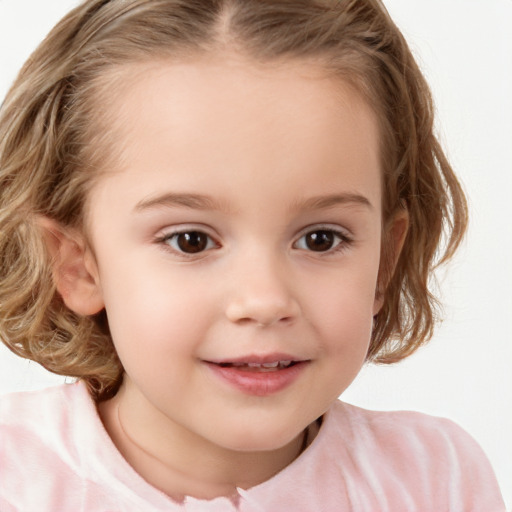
(259, 383)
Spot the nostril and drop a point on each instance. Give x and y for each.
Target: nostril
(244, 321)
(284, 320)
(265, 322)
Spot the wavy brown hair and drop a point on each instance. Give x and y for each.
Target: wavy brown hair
(55, 140)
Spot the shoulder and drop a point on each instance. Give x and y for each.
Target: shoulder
(25, 401)
(39, 424)
(409, 434)
(56, 455)
(390, 424)
(42, 406)
(43, 411)
(425, 454)
(38, 442)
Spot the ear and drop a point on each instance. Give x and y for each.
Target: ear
(74, 268)
(394, 235)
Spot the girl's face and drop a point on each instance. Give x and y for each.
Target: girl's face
(242, 229)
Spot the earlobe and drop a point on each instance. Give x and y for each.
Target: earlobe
(73, 267)
(393, 241)
(398, 233)
(378, 302)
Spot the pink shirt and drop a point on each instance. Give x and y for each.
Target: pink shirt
(55, 456)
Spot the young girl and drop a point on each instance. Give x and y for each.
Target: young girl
(212, 213)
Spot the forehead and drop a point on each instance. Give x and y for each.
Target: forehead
(215, 119)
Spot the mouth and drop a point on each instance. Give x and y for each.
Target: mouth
(260, 376)
(273, 366)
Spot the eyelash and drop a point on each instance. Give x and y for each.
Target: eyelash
(167, 238)
(344, 241)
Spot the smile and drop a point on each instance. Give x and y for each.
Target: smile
(261, 377)
(259, 367)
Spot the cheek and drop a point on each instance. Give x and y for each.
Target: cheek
(346, 301)
(342, 319)
(152, 311)
(346, 329)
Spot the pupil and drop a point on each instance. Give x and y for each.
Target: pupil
(320, 241)
(192, 242)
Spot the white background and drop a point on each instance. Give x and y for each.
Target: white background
(465, 49)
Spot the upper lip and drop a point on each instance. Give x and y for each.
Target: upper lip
(259, 359)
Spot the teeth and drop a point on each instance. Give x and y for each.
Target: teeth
(274, 364)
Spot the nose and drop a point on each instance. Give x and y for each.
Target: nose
(262, 296)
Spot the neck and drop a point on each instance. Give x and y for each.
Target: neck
(180, 463)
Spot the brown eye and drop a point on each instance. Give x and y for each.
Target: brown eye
(323, 240)
(320, 241)
(190, 242)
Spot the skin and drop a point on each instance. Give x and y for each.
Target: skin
(280, 151)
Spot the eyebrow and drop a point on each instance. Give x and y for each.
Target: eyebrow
(172, 200)
(328, 201)
(204, 202)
